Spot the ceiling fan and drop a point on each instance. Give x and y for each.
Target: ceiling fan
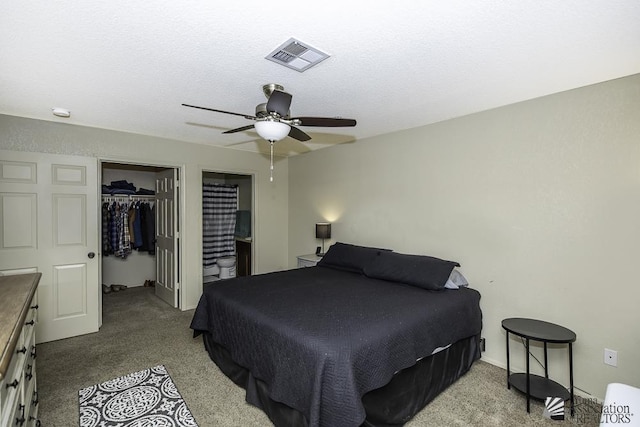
(273, 119)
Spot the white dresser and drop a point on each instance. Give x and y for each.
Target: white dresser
(308, 260)
(18, 316)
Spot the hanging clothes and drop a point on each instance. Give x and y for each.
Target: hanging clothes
(132, 219)
(122, 228)
(137, 227)
(147, 227)
(219, 206)
(119, 242)
(106, 242)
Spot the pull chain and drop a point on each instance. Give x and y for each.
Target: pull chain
(271, 167)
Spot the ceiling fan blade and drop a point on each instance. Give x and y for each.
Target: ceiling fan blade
(239, 129)
(325, 121)
(279, 102)
(246, 116)
(296, 133)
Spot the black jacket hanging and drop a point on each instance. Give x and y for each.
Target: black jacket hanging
(148, 223)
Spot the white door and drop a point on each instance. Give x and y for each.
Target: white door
(49, 223)
(167, 235)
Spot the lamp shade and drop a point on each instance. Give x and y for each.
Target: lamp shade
(271, 130)
(323, 230)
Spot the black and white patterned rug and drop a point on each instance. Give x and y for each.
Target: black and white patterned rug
(141, 399)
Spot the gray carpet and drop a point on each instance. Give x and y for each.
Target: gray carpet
(140, 331)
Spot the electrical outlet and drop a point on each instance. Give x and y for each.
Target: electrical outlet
(610, 357)
(483, 344)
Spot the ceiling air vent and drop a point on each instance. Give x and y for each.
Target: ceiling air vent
(296, 55)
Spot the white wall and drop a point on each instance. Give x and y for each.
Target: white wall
(538, 201)
(271, 211)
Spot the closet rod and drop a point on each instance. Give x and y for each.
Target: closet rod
(127, 197)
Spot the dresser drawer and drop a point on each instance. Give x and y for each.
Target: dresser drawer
(305, 263)
(17, 416)
(29, 328)
(308, 260)
(11, 384)
(11, 396)
(18, 388)
(29, 399)
(32, 401)
(32, 314)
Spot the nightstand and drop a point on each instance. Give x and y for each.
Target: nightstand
(308, 260)
(537, 386)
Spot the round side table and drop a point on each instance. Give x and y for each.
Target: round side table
(534, 385)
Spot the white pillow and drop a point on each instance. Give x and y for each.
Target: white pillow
(456, 279)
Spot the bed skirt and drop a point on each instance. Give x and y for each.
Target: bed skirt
(394, 404)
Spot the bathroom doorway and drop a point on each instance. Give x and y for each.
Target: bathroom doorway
(227, 225)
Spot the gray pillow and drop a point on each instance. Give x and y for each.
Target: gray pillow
(347, 257)
(417, 270)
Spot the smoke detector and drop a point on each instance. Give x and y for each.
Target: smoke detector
(61, 112)
(296, 55)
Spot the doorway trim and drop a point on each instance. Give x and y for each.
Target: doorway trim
(250, 173)
(180, 167)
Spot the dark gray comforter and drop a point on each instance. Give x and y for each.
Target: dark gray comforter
(321, 338)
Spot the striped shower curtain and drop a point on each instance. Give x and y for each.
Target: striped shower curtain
(219, 206)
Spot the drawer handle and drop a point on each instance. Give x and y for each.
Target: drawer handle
(35, 399)
(29, 374)
(30, 322)
(21, 420)
(33, 352)
(35, 307)
(23, 350)
(13, 384)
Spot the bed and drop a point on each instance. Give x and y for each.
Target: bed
(366, 337)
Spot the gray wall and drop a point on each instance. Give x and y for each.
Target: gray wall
(271, 213)
(539, 202)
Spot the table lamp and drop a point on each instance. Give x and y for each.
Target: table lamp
(323, 231)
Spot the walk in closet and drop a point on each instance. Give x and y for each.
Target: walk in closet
(138, 244)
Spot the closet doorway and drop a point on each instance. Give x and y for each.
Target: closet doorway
(221, 239)
(140, 229)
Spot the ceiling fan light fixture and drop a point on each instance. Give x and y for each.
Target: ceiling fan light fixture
(271, 130)
(273, 119)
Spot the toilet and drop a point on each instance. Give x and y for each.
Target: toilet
(227, 267)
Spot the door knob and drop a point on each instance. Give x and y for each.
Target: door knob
(91, 255)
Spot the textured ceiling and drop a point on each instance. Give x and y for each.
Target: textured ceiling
(394, 65)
